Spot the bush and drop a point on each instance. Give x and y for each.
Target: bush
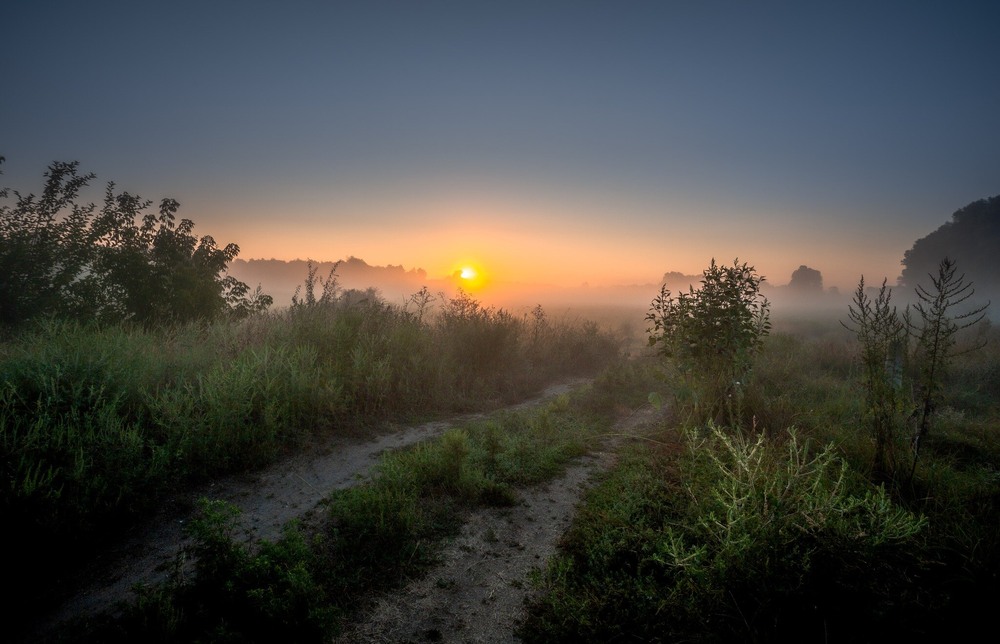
(711, 337)
(60, 257)
(882, 344)
(739, 539)
(277, 593)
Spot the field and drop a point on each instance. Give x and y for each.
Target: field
(761, 516)
(777, 531)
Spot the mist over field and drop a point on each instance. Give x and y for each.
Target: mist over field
(370, 321)
(803, 293)
(396, 284)
(153, 379)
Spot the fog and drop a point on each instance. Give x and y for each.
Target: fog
(795, 303)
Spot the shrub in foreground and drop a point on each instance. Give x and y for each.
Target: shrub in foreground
(723, 538)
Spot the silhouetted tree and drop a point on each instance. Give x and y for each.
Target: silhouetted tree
(973, 234)
(806, 280)
(65, 258)
(677, 281)
(48, 247)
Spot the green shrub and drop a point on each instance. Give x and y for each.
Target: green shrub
(740, 539)
(276, 593)
(710, 338)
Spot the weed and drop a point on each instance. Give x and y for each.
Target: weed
(740, 539)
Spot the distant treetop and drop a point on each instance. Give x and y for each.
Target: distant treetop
(806, 280)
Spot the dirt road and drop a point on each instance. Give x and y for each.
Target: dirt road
(478, 591)
(267, 499)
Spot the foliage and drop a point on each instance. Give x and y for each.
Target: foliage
(376, 535)
(972, 234)
(277, 592)
(99, 425)
(330, 288)
(885, 355)
(481, 340)
(776, 527)
(722, 538)
(62, 257)
(422, 301)
(807, 380)
(935, 334)
(711, 335)
(882, 337)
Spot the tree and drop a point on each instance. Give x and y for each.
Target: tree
(61, 257)
(806, 280)
(46, 245)
(711, 336)
(972, 234)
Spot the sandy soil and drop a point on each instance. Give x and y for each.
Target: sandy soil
(477, 592)
(267, 499)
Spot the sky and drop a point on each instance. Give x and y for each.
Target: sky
(541, 142)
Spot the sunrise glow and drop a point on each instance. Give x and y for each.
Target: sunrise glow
(469, 276)
(574, 172)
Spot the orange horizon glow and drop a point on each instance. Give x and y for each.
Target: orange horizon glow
(560, 263)
(534, 241)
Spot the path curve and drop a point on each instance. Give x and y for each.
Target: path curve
(267, 500)
(478, 590)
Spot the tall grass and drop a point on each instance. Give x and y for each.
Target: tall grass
(99, 424)
(719, 538)
(373, 537)
(751, 534)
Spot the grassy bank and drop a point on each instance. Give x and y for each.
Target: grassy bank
(372, 537)
(776, 530)
(99, 425)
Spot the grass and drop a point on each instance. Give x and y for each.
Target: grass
(373, 537)
(770, 530)
(714, 538)
(100, 425)
(765, 533)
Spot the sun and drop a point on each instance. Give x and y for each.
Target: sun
(469, 277)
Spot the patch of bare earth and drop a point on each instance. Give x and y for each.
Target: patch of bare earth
(477, 592)
(267, 499)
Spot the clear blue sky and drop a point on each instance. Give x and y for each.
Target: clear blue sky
(563, 141)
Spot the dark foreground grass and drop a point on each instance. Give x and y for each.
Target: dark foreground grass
(374, 536)
(99, 426)
(718, 538)
(763, 534)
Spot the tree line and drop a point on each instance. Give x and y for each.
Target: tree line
(61, 256)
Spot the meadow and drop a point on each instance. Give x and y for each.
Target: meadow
(759, 509)
(100, 425)
(776, 527)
